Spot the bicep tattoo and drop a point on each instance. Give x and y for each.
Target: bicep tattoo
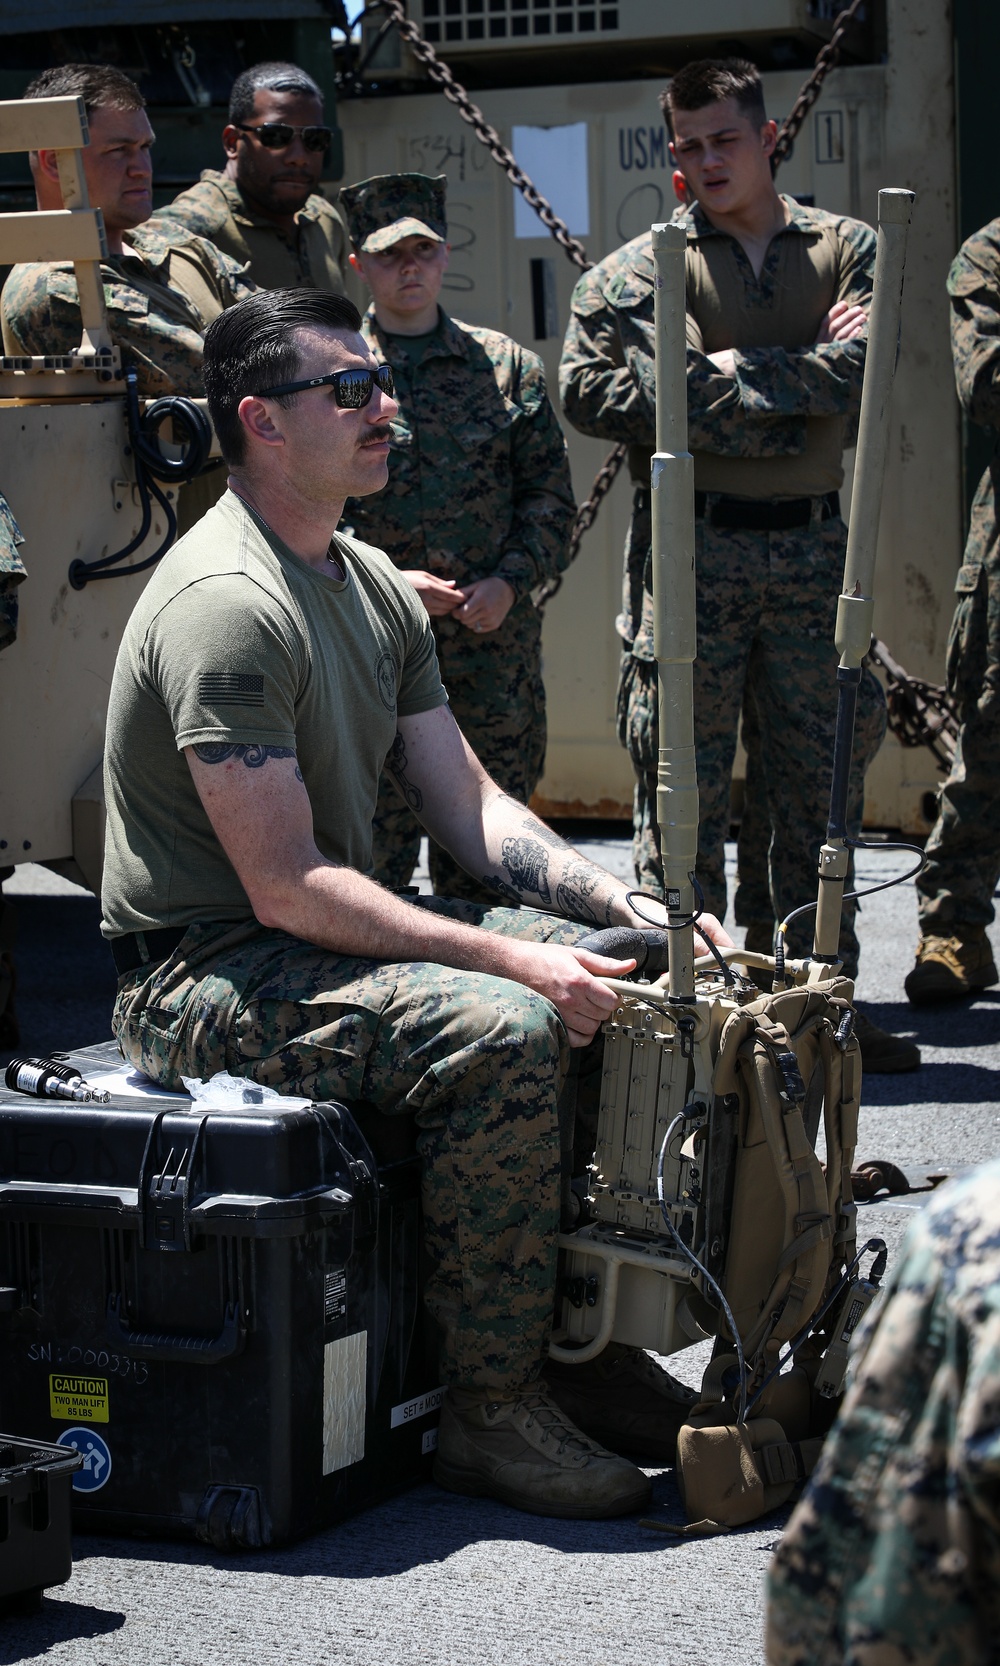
(253, 757)
(396, 764)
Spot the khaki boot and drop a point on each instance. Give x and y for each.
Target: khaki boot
(624, 1400)
(949, 967)
(523, 1451)
(882, 1053)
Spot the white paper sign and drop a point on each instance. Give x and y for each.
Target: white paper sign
(555, 160)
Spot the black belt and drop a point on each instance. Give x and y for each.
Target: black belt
(145, 948)
(742, 514)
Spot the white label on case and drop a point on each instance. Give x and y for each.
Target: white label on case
(412, 1409)
(345, 1364)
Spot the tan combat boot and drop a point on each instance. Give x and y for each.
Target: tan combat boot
(522, 1450)
(624, 1400)
(949, 967)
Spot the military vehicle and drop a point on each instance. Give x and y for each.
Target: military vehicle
(71, 449)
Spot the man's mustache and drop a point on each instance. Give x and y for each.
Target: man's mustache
(379, 436)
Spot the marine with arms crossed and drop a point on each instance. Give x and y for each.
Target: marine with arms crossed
(776, 303)
(270, 669)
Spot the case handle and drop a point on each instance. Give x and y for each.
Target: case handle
(179, 1349)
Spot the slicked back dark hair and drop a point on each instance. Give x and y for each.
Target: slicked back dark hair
(101, 86)
(708, 81)
(272, 78)
(252, 346)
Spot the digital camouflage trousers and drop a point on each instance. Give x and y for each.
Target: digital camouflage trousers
(766, 615)
(496, 694)
(963, 852)
(480, 1063)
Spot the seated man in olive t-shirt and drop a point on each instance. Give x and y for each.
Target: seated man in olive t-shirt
(269, 671)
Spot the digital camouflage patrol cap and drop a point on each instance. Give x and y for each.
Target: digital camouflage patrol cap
(388, 207)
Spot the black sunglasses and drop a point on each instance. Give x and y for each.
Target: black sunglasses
(352, 389)
(278, 135)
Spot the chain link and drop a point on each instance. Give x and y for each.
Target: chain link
(811, 89)
(586, 515)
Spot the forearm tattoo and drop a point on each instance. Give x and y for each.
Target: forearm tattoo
(527, 862)
(547, 834)
(578, 894)
(396, 764)
(494, 881)
(254, 757)
(581, 888)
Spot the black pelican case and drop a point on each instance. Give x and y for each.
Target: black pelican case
(218, 1310)
(35, 1545)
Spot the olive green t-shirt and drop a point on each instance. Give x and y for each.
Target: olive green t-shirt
(237, 641)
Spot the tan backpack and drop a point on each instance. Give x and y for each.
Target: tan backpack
(791, 1059)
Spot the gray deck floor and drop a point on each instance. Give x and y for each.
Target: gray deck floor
(442, 1580)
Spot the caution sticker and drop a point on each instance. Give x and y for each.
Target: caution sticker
(78, 1399)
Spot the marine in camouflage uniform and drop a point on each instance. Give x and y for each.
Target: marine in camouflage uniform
(479, 486)
(245, 662)
(216, 209)
(893, 1554)
(955, 890)
(767, 598)
(161, 294)
(263, 210)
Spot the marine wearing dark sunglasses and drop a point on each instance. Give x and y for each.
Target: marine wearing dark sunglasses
(264, 208)
(352, 389)
(278, 135)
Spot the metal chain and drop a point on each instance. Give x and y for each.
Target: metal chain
(487, 135)
(586, 515)
(571, 246)
(811, 89)
(920, 714)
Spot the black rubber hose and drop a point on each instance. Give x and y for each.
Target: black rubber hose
(151, 466)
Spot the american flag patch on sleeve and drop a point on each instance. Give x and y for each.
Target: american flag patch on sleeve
(231, 688)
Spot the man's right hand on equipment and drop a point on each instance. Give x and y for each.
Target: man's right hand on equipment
(440, 596)
(571, 979)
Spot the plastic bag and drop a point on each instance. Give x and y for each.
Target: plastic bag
(226, 1093)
